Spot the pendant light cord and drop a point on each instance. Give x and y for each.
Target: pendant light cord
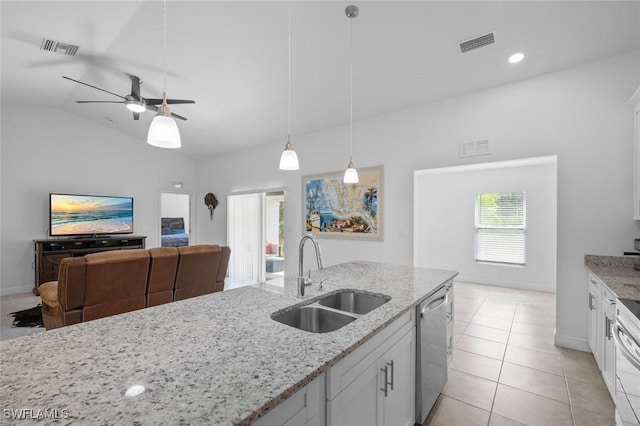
(164, 53)
(351, 91)
(289, 80)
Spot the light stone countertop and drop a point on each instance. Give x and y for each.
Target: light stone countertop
(216, 359)
(617, 273)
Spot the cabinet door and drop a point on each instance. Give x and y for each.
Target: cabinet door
(398, 405)
(609, 370)
(360, 402)
(592, 311)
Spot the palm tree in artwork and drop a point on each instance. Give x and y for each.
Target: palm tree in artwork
(369, 198)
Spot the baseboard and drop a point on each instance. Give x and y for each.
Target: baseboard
(15, 290)
(571, 342)
(505, 283)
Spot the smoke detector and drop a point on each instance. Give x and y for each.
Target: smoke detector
(476, 42)
(58, 47)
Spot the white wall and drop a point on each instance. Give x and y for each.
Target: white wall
(445, 214)
(272, 218)
(48, 150)
(579, 114)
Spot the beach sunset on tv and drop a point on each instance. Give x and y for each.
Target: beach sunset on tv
(90, 215)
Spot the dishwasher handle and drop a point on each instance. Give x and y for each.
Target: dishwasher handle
(429, 307)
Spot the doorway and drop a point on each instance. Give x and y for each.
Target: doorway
(255, 233)
(175, 219)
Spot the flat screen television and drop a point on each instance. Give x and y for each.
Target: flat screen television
(89, 215)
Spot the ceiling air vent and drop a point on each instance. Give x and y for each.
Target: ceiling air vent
(471, 149)
(58, 47)
(476, 42)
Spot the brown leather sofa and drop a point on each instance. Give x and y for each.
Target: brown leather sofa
(108, 283)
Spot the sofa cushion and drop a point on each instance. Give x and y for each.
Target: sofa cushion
(197, 270)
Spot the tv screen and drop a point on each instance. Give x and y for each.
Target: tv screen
(85, 215)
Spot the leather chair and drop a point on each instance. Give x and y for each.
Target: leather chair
(197, 270)
(116, 282)
(222, 269)
(63, 300)
(162, 275)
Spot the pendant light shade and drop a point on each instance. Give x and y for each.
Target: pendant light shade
(163, 131)
(351, 174)
(289, 158)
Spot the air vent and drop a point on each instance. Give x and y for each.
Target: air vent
(58, 47)
(470, 149)
(476, 42)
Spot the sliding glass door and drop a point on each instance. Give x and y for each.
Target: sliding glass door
(245, 234)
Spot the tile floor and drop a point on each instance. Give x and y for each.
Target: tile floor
(506, 370)
(16, 302)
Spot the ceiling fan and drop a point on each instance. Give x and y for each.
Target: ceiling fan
(134, 101)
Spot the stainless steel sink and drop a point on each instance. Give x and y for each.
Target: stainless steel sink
(313, 319)
(355, 302)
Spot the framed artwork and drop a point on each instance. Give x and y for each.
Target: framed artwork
(333, 209)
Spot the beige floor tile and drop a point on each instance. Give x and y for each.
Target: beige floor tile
(459, 326)
(456, 337)
(593, 397)
(493, 322)
(533, 330)
(497, 420)
(550, 363)
(467, 304)
(581, 365)
(540, 344)
(448, 412)
(582, 417)
(530, 409)
(470, 389)
(13, 303)
(530, 318)
(504, 314)
(538, 297)
(500, 305)
(478, 365)
(463, 316)
(493, 334)
(481, 346)
(534, 381)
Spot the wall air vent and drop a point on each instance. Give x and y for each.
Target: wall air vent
(471, 149)
(477, 42)
(58, 47)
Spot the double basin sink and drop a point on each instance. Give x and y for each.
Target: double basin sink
(331, 312)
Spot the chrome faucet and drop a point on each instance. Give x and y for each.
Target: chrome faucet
(302, 280)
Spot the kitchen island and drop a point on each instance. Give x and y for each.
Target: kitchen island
(215, 359)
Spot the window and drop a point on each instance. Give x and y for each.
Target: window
(500, 228)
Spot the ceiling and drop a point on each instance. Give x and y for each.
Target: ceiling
(231, 58)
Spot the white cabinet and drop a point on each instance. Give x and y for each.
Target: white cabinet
(635, 103)
(305, 407)
(449, 314)
(595, 328)
(601, 317)
(608, 356)
(375, 384)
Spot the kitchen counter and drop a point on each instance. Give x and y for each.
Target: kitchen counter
(215, 359)
(617, 273)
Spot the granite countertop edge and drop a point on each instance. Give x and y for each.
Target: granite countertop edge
(617, 273)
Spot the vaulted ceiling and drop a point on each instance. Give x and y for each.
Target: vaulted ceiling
(231, 58)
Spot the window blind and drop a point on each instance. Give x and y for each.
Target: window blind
(500, 228)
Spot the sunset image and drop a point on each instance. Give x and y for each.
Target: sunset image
(90, 215)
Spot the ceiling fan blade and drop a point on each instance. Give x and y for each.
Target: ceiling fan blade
(156, 101)
(135, 86)
(179, 117)
(94, 87)
(99, 102)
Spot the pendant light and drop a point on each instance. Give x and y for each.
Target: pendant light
(163, 131)
(289, 158)
(351, 174)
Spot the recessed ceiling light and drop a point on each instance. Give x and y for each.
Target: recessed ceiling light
(516, 57)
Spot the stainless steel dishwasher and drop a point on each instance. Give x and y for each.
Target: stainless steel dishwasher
(431, 350)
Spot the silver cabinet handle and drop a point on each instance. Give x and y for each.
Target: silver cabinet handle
(386, 382)
(391, 365)
(607, 328)
(591, 307)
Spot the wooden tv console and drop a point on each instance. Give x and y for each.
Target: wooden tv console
(49, 253)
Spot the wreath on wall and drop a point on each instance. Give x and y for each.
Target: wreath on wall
(211, 202)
